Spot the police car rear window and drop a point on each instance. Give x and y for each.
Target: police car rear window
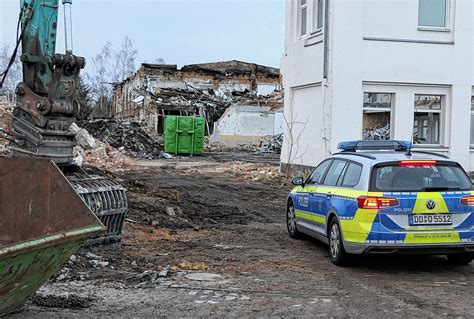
(419, 177)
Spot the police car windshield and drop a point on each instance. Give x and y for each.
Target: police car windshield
(423, 177)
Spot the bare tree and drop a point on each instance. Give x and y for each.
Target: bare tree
(100, 78)
(124, 60)
(102, 73)
(14, 75)
(294, 131)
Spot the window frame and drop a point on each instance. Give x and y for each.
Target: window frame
(307, 181)
(343, 175)
(381, 109)
(346, 162)
(299, 28)
(447, 19)
(318, 16)
(441, 113)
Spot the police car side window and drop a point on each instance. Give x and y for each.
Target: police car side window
(318, 174)
(352, 175)
(334, 172)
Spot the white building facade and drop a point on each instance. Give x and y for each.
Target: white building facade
(372, 69)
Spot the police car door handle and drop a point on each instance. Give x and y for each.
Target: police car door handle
(329, 194)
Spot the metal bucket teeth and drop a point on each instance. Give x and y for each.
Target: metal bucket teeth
(107, 200)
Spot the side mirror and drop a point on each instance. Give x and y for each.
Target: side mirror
(298, 181)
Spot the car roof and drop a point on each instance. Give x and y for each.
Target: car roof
(375, 157)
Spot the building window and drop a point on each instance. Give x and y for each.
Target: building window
(433, 13)
(318, 15)
(472, 121)
(377, 116)
(303, 16)
(426, 126)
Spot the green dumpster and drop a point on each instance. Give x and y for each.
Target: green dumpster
(184, 134)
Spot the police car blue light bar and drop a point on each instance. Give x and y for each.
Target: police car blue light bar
(352, 146)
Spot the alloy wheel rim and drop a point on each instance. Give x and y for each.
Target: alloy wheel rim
(291, 219)
(334, 240)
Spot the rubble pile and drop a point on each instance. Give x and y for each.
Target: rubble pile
(381, 133)
(272, 145)
(103, 156)
(6, 109)
(96, 153)
(127, 137)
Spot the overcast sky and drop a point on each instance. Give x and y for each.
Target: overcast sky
(180, 31)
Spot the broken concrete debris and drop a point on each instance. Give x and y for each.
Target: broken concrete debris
(152, 275)
(381, 133)
(83, 138)
(6, 109)
(103, 156)
(92, 256)
(127, 137)
(170, 211)
(272, 144)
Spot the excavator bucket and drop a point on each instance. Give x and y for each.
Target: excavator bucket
(43, 221)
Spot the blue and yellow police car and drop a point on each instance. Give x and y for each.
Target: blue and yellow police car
(381, 197)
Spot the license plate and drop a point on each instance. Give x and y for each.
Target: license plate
(431, 219)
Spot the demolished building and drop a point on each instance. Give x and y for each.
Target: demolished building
(209, 90)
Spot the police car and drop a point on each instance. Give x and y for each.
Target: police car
(380, 197)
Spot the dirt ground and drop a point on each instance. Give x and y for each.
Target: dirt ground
(223, 250)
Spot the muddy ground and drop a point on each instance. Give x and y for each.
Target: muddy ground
(225, 252)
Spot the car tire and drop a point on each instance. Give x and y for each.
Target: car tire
(291, 221)
(337, 253)
(460, 259)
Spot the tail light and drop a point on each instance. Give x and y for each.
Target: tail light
(375, 202)
(468, 201)
(418, 163)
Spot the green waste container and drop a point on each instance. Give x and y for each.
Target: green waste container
(184, 134)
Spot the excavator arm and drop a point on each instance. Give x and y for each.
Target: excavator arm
(45, 99)
(46, 109)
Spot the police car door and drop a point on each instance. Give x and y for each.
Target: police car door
(326, 191)
(312, 184)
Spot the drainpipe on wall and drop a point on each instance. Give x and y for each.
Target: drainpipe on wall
(326, 39)
(325, 84)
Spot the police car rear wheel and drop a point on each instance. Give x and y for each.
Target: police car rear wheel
(291, 222)
(337, 253)
(460, 259)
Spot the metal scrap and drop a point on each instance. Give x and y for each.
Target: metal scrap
(376, 134)
(272, 144)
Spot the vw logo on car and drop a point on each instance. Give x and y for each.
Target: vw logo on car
(430, 204)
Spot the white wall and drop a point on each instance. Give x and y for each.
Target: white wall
(304, 142)
(244, 125)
